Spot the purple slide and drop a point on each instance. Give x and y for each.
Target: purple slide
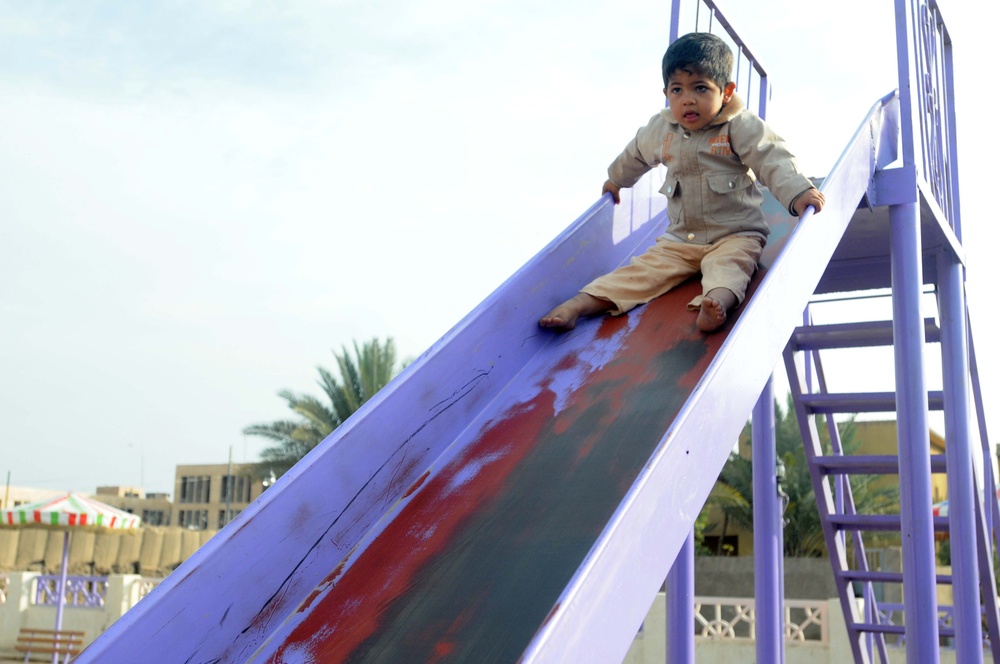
(515, 494)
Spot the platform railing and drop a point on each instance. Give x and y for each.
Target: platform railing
(706, 16)
(929, 134)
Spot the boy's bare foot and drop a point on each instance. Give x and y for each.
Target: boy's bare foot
(564, 316)
(711, 316)
(715, 308)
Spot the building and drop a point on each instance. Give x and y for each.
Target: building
(207, 497)
(153, 508)
(879, 437)
(18, 495)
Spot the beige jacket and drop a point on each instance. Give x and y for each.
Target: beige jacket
(711, 182)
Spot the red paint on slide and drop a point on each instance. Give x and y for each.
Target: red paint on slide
(424, 529)
(473, 563)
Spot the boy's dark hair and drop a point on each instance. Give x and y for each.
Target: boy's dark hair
(701, 53)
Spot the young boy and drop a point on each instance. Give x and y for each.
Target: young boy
(713, 149)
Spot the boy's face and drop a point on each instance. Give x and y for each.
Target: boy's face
(695, 99)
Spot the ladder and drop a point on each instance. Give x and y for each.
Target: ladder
(871, 623)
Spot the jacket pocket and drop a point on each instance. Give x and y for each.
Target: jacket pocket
(731, 198)
(669, 189)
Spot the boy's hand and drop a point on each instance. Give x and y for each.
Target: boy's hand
(813, 197)
(610, 186)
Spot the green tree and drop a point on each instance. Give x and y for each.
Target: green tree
(369, 369)
(732, 495)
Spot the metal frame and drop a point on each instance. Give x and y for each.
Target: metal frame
(256, 584)
(927, 180)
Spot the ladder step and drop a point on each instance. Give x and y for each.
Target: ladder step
(862, 402)
(881, 464)
(897, 629)
(884, 577)
(881, 629)
(864, 334)
(878, 522)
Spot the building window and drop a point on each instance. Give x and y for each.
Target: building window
(195, 489)
(224, 519)
(236, 489)
(194, 519)
(155, 518)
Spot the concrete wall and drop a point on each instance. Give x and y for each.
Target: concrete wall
(805, 578)
(144, 551)
(649, 646)
(124, 591)
(732, 576)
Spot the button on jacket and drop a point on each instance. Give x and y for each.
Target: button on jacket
(711, 183)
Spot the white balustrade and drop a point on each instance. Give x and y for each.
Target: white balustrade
(733, 618)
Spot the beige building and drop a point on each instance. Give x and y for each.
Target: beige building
(207, 497)
(18, 495)
(153, 508)
(879, 437)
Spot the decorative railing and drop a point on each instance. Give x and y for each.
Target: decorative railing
(932, 101)
(733, 618)
(146, 584)
(806, 621)
(87, 592)
(749, 75)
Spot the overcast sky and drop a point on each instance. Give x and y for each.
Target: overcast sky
(199, 201)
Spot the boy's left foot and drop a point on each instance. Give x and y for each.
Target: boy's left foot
(712, 315)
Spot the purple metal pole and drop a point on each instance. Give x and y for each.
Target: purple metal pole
(675, 20)
(913, 435)
(680, 606)
(768, 547)
(61, 590)
(961, 482)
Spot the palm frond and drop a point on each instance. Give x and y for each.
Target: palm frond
(279, 430)
(372, 366)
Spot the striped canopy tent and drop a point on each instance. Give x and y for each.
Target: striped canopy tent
(71, 510)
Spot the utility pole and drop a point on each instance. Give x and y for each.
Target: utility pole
(229, 485)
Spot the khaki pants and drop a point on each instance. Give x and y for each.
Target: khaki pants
(727, 263)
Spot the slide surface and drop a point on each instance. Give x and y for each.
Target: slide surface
(516, 494)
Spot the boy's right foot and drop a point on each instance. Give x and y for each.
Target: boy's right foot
(564, 316)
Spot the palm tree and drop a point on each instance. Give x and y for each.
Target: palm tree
(371, 367)
(732, 495)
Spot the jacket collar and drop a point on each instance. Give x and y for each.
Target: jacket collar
(728, 112)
